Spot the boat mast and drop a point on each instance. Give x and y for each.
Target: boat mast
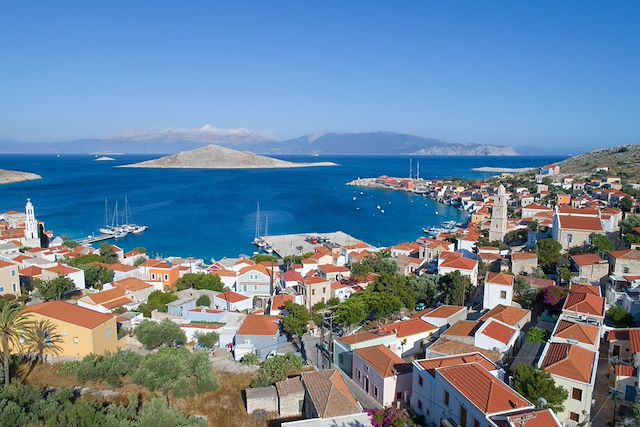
(257, 220)
(266, 224)
(410, 167)
(126, 210)
(115, 215)
(106, 212)
(418, 171)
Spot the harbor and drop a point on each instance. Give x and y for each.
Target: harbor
(298, 244)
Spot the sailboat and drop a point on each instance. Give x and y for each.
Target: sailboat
(257, 240)
(119, 231)
(268, 249)
(107, 229)
(131, 228)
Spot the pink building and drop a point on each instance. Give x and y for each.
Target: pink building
(382, 374)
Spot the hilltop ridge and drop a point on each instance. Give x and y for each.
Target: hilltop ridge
(622, 161)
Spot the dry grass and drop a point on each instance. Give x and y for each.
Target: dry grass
(223, 408)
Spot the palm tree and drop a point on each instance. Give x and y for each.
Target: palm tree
(13, 322)
(40, 339)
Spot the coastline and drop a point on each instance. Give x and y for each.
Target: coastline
(142, 165)
(503, 170)
(12, 177)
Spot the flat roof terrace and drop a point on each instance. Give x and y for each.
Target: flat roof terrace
(298, 244)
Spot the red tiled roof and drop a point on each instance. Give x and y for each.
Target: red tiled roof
(584, 303)
(582, 332)
(231, 297)
(255, 325)
(408, 328)
(383, 361)
(631, 254)
(459, 263)
(587, 223)
(329, 394)
(430, 365)
(509, 315)
(444, 311)
(69, 313)
(499, 332)
(4, 264)
(521, 256)
(361, 337)
(278, 301)
(292, 276)
(569, 361)
(31, 271)
(586, 259)
(62, 270)
(625, 370)
(463, 328)
(537, 418)
(500, 278)
(483, 390)
(104, 296)
(119, 302)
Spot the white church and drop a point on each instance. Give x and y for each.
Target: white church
(22, 227)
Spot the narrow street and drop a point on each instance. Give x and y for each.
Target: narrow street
(602, 411)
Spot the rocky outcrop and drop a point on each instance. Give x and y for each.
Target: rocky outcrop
(9, 177)
(466, 150)
(216, 157)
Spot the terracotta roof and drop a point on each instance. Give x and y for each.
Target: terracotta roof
(445, 346)
(362, 337)
(292, 276)
(290, 386)
(408, 328)
(500, 278)
(630, 334)
(459, 263)
(582, 332)
(278, 301)
(634, 336)
(430, 365)
(537, 418)
(62, 269)
(463, 328)
(104, 296)
(535, 206)
(498, 331)
(223, 273)
(383, 361)
(509, 315)
(70, 313)
(567, 210)
(328, 269)
(587, 223)
(157, 263)
(630, 254)
(586, 259)
(31, 271)
(444, 311)
(569, 361)
(584, 303)
(483, 390)
(131, 283)
(521, 256)
(255, 325)
(537, 282)
(625, 370)
(330, 394)
(257, 268)
(119, 302)
(231, 297)
(4, 264)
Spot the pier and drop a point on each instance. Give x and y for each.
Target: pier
(297, 244)
(95, 239)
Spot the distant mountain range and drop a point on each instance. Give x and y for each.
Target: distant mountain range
(370, 143)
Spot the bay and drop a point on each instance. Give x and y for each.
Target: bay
(212, 213)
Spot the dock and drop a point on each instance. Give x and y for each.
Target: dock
(95, 239)
(297, 244)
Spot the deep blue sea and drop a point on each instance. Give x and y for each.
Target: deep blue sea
(212, 213)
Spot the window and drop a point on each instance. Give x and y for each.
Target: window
(375, 391)
(420, 381)
(313, 291)
(324, 290)
(446, 398)
(625, 269)
(399, 396)
(1, 288)
(14, 287)
(358, 374)
(569, 238)
(366, 368)
(76, 340)
(476, 423)
(13, 273)
(419, 404)
(574, 417)
(503, 294)
(576, 394)
(166, 277)
(153, 276)
(108, 333)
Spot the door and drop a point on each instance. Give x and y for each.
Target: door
(616, 351)
(366, 384)
(630, 394)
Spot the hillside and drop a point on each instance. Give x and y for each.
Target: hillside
(215, 157)
(10, 177)
(622, 161)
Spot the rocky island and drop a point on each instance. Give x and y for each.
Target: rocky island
(216, 157)
(10, 177)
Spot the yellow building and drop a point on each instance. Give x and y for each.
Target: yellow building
(83, 331)
(9, 278)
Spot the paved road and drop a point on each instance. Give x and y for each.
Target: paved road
(603, 409)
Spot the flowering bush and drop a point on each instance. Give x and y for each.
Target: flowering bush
(554, 294)
(390, 417)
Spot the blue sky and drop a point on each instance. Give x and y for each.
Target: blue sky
(543, 73)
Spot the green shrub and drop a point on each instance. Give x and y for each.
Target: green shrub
(155, 334)
(538, 335)
(109, 368)
(177, 371)
(277, 368)
(250, 359)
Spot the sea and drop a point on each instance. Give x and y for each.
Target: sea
(211, 214)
